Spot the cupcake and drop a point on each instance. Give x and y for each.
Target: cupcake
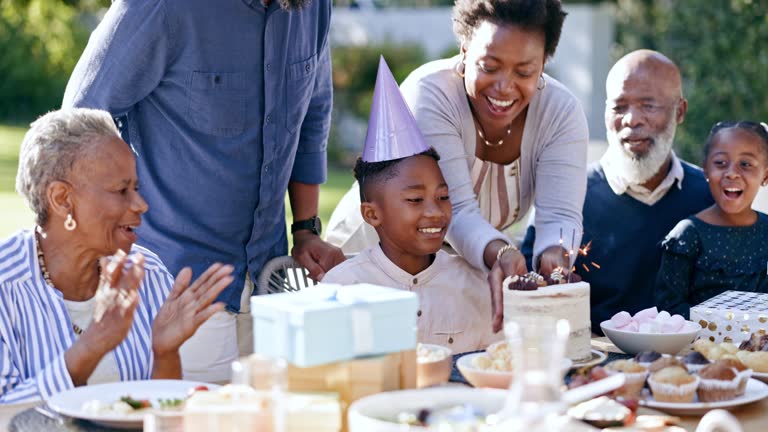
(694, 361)
(757, 361)
(673, 384)
(719, 382)
(645, 358)
(634, 374)
(704, 346)
(665, 362)
(741, 370)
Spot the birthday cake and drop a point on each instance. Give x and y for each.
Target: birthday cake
(553, 295)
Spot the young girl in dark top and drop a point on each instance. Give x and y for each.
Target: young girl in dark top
(725, 246)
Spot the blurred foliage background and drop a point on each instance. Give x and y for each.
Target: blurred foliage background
(721, 47)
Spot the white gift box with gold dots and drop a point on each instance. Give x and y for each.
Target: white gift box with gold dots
(732, 316)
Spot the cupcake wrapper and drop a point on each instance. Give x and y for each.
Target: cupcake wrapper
(665, 392)
(743, 377)
(694, 368)
(633, 384)
(713, 390)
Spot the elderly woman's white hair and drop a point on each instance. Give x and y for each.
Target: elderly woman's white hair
(51, 147)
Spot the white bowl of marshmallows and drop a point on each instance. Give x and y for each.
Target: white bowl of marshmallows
(650, 330)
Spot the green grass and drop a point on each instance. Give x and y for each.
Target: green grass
(14, 213)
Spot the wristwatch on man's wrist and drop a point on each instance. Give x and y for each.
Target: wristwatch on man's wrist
(312, 224)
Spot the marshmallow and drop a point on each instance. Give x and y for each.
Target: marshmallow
(646, 314)
(673, 325)
(648, 327)
(621, 319)
(631, 327)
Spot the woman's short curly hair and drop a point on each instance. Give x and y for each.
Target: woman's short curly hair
(51, 147)
(546, 16)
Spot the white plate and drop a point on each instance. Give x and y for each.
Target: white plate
(597, 358)
(762, 376)
(376, 413)
(755, 391)
(70, 403)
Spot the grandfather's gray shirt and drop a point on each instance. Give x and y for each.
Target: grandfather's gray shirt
(223, 102)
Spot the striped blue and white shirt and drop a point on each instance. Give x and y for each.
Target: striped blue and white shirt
(35, 329)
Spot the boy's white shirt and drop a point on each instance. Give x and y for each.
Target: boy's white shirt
(454, 298)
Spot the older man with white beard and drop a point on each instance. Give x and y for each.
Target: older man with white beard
(639, 189)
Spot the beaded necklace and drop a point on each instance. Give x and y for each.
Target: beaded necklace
(47, 276)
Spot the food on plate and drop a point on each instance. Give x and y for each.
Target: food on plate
(603, 412)
(634, 374)
(647, 357)
(128, 404)
(136, 403)
(752, 353)
(587, 375)
(649, 321)
(757, 361)
(694, 361)
(673, 384)
(97, 407)
(741, 369)
(527, 295)
(665, 361)
(756, 342)
(464, 417)
(719, 382)
(498, 358)
(429, 354)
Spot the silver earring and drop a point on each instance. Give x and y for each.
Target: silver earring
(70, 223)
(542, 83)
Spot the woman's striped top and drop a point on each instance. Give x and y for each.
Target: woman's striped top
(35, 329)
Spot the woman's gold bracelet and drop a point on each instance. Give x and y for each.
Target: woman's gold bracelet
(504, 249)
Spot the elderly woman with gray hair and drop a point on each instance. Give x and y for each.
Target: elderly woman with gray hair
(79, 302)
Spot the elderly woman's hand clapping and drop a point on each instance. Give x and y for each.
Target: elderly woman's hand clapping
(116, 301)
(185, 309)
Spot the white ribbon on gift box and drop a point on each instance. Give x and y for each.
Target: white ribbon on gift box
(362, 319)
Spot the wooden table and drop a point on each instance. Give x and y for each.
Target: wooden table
(753, 417)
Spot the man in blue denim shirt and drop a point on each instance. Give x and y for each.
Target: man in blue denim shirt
(227, 104)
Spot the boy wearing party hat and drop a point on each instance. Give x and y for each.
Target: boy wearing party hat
(405, 198)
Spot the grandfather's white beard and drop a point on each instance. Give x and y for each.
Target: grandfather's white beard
(638, 170)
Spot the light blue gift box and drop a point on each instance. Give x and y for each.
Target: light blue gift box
(328, 322)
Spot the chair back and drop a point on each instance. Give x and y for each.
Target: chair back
(283, 274)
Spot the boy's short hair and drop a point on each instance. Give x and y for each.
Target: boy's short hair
(371, 173)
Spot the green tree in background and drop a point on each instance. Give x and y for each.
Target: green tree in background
(721, 47)
(40, 41)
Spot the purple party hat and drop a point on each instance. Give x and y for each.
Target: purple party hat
(392, 130)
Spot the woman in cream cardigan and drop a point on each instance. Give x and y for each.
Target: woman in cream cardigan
(509, 136)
